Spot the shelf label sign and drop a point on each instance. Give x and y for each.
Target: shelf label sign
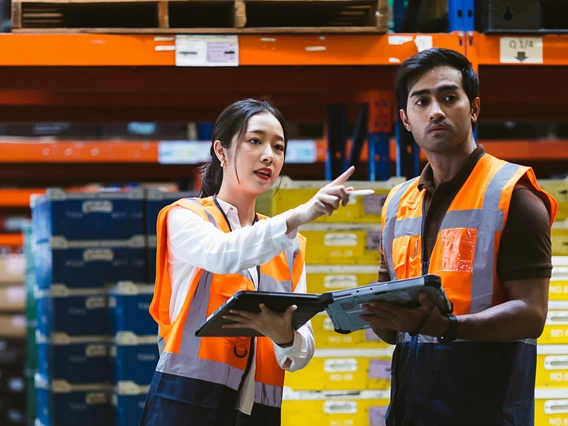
(184, 152)
(521, 50)
(207, 51)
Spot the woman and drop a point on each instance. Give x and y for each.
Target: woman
(208, 249)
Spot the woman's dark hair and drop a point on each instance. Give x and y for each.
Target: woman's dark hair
(412, 69)
(233, 121)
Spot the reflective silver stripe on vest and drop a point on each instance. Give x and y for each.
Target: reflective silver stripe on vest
(197, 368)
(487, 220)
(211, 219)
(390, 225)
(267, 394)
(411, 226)
(405, 337)
(268, 283)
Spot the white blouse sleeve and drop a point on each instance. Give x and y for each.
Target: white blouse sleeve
(199, 243)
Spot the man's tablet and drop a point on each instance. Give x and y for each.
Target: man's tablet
(308, 306)
(345, 306)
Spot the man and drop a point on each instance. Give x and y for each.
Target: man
(482, 225)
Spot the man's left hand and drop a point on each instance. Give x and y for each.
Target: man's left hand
(391, 316)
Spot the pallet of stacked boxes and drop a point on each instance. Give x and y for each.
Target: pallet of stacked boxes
(343, 251)
(31, 325)
(335, 408)
(84, 241)
(551, 406)
(155, 200)
(134, 349)
(12, 340)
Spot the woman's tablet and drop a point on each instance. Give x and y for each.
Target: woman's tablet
(308, 306)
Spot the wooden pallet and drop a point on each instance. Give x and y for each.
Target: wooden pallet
(200, 16)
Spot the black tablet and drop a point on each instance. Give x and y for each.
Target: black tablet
(308, 306)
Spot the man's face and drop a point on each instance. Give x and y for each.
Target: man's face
(438, 112)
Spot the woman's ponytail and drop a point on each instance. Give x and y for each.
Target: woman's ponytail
(211, 177)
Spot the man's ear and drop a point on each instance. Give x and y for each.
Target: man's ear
(475, 109)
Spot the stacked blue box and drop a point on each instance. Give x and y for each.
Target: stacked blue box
(62, 404)
(135, 358)
(128, 403)
(88, 215)
(75, 312)
(129, 309)
(89, 264)
(76, 360)
(155, 201)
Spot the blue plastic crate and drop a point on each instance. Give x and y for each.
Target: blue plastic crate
(88, 215)
(135, 358)
(90, 264)
(75, 312)
(62, 404)
(156, 200)
(128, 403)
(128, 308)
(151, 259)
(77, 360)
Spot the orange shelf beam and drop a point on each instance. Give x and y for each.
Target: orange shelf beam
(11, 197)
(11, 240)
(261, 49)
(79, 152)
(147, 151)
(484, 49)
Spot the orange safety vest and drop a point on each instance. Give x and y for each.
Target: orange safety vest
(221, 360)
(440, 383)
(467, 244)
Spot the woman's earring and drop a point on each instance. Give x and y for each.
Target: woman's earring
(222, 163)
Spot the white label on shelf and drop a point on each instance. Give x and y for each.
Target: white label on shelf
(207, 51)
(96, 350)
(340, 407)
(521, 50)
(99, 206)
(340, 239)
(96, 302)
(301, 151)
(423, 42)
(94, 255)
(184, 152)
(342, 365)
(397, 40)
(96, 398)
(340, 281)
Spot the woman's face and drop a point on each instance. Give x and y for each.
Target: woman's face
(258, 157)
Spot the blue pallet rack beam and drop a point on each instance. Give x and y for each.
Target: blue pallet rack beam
(461, 15)
(336, 139)
(379, 128)
(359, 137)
